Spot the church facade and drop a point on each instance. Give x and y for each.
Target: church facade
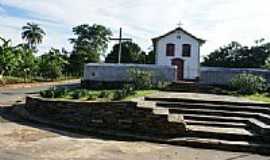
(181, 49)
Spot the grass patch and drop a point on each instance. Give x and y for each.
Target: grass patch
(140, 93)
(259, 97)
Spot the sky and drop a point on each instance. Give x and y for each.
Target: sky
(217, 21)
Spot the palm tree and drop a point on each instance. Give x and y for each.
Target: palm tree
(33, 34)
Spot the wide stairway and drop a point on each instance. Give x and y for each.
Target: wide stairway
(232, 126)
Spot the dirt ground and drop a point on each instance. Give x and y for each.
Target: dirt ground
(23, 142)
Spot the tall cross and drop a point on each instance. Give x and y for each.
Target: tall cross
(179, 24)
(120, 39)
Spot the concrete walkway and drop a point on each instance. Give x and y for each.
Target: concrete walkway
(199, 96)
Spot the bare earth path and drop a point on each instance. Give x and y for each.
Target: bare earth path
(11, 93)
(18, 142)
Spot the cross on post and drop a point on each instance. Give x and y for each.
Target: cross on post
(180, 24)
(120, 39)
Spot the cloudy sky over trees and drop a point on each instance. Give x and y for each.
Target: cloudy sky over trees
(217, 21)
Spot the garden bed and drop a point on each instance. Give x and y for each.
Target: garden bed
(95, 95)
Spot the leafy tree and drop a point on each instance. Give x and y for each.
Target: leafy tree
(267, 63)
(131, 53)
(76, 62)
(27, 64)
(33, 34)
(224, 56)
(91, 41)
(238, 56)
(8, 57)
(51, 65)
(151, 57)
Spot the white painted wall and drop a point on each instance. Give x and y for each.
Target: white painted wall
(120, 72)
(191, 64)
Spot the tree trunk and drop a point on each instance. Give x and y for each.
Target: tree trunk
(2, 74)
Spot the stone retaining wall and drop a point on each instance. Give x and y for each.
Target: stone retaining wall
(116, 116)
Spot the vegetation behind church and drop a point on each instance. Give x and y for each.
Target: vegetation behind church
(90, 43)
(235, 55)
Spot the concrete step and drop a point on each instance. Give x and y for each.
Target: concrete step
(214, 106)
(200, 101)
(233, 134)
(259, 116)
(253, 124)
(211, 143)
(217, 124)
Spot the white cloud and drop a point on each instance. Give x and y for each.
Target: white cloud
(217, 21)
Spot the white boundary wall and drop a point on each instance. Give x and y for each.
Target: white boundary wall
(120, 72)
(223, 76)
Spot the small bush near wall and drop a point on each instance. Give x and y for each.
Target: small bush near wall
(248, 83)
(128, 90)
(141, 79)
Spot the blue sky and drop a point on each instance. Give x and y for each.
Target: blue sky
(217, 21)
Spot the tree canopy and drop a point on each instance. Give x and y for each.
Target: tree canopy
(91, 41)
(131, 53)
(51, 64)
(8, 56)
(89, 44)
(235, 55)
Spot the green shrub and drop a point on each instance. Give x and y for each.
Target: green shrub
(91, 97)
(118, 95)
(141, 79)
(50, 93)
(54, 93)
(162, 85)
(84, 93)
(76, 94)
(128, 90)
(248, 83)
(104, 94)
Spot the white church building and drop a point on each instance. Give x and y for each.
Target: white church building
(177, 59)
(181, 49)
